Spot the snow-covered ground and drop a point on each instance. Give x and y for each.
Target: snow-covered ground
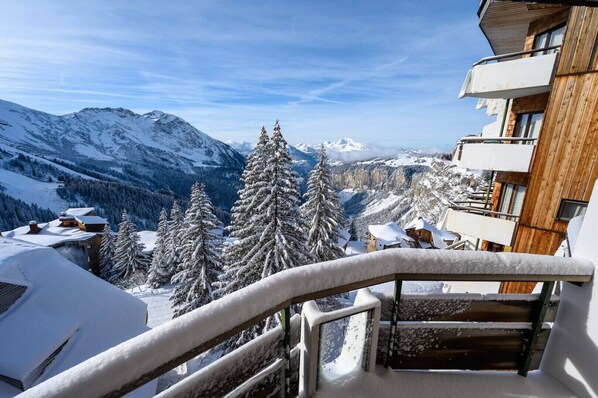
(379, 205)
(159, 309)
(345, 195)
(401, 159)
(355, 247)
(148, 239)
(32, 191)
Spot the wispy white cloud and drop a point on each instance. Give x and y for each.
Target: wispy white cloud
(327, 69)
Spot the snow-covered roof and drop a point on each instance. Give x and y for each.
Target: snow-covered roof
(91, 220)
(51, 234)
(148, 239)
(343, 237)
(63, 305)
(420, 223)
(355, 247)
(389, 234)
(438, 235)
(80, 211)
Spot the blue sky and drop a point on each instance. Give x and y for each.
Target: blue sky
(385, 72)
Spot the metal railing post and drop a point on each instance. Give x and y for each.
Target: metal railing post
(285, 316)
(529, 347)
(394, 319)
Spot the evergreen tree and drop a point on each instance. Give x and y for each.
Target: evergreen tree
(128, 257)
(274, 237)
(200, 252)
(173, 240)
(107, 249)
(323, 212)
(159, 273)
(242, 212)
(353, 230)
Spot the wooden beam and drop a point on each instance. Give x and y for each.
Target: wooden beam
(584, 3)
(457, 307)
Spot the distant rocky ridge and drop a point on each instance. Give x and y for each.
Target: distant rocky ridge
(377, 194)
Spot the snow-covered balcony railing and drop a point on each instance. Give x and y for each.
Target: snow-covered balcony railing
(133, 363)
(510, 78)
(494, 153)
(472, 219)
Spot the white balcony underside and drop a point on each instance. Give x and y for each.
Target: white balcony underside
(510, 79)
(498, 157)
(491, 229)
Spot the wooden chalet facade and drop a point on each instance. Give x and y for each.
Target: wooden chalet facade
(388, 236)
(559, 118)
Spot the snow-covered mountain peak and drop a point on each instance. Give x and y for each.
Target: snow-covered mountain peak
(340, 145)
(345, 145)
(114, 135)
(162, 117)
(121, 112)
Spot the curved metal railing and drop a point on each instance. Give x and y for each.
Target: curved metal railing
(135, 362)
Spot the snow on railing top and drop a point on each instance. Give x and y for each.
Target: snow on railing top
(143, 358)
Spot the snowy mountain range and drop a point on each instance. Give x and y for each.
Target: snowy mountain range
(345, 150)
(342, 145)
(114, 150)
(116, 159)
(112, 135)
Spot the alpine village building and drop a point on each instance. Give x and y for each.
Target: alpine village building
(541, 152)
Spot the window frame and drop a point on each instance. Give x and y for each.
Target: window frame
(548, 33)
(564, 201)
(514, 189)
(528, 125)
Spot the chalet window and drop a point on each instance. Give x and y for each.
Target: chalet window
(511, 200)
(528, 125)
(552, 37)
(571, 208)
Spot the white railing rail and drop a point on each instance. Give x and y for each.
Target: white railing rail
(485, 60)
(133, 363)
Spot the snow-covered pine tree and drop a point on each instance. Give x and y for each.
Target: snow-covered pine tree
(128, 258)
(273, 234)
(107, 248)
(159, 273)
(353, 230)
(323, 212)
(242, 212)
(173, 239)
(282, 228)
(200, 253)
